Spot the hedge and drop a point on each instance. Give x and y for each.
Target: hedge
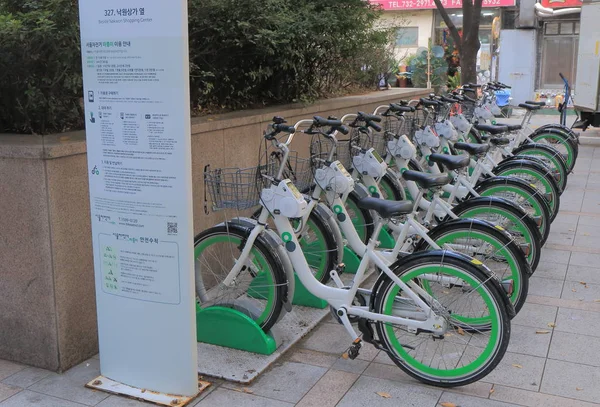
(243, 53)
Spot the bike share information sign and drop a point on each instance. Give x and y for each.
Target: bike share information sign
(136, 90)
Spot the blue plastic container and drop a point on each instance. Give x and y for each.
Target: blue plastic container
(502, 97)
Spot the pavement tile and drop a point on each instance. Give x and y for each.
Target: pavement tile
(545, 287)
(528, 376)
(578, 321)
(523, 339)
(562, 234)
(364, 393)
(535, 315)
(567, 218)
(85, 371)
(311, 357)
(7, 391)
(581, 273)
(575, 348)
(478, 389)
(119, 401)
(555, 256)
(383, 357)
(545, 269)
(69, 388)
(8, 368)
(464, 400)
(571, 205)
(584, 259)
(534, 399)
(353, 366)
(327, 338)
(587, 241)
(29, 398)
(27, 377)
(230, 398)
(329, 390)
(588, 226)
(574, 290)
(565, 378)
(389, 372)
(287, 382)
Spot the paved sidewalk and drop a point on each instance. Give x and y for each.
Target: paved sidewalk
(558, 368)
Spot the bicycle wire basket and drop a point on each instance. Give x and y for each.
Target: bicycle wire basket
(297, 169)
(235, 188)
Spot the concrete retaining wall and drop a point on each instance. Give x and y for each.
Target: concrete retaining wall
(47, 299)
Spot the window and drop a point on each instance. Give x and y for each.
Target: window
(407, 37)
(559, 53)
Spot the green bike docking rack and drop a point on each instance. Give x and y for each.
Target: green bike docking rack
(232, 329)
(386, 241)
(301, 295)
(352, 261)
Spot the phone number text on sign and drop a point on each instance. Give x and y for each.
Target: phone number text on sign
(430, 4)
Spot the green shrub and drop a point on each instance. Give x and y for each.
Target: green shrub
(40, 66)
(267, 51)
(243, 53)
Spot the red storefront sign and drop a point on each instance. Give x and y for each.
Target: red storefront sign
(430, 4)
(561, 3)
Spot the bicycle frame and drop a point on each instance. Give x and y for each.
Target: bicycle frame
(417, 315)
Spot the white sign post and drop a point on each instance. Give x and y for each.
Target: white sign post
(136, 90)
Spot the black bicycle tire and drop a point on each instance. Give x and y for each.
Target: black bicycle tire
(269, 254)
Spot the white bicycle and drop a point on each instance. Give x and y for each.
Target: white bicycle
(439, 332)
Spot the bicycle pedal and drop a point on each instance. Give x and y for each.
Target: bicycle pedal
(353, 350)
(340, 268)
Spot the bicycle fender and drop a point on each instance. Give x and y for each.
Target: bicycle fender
(459, 256)
(556, 128)
(324, 212)
(486, 200)
(499, 180)
(272, 239)
(443, 227)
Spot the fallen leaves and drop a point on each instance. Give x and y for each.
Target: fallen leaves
(244, 390)
(447, 404)
(542, 331)
(460, 331)
(517, 366)
(578, 388)
(384, 395)
(492, 391)
(551, 325)
(574, 290)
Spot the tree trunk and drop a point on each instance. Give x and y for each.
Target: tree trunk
(470, 41)
(468, 63)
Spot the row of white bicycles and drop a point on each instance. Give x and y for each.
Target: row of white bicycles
(447, 213)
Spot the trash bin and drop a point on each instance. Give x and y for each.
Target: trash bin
(502, 97)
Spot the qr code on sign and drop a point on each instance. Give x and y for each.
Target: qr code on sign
(171, 228)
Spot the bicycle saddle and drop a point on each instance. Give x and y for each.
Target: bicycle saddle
(451, 162)
(530, 107)
(471, 148)
(386, 209)
(511, 127)
(529, 102)
(499, 141)
(425, 180)
(490, 128)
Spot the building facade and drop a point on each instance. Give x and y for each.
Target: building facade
(553, 23)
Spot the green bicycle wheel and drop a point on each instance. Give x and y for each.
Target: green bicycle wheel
(259, 289)
(467, 351)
